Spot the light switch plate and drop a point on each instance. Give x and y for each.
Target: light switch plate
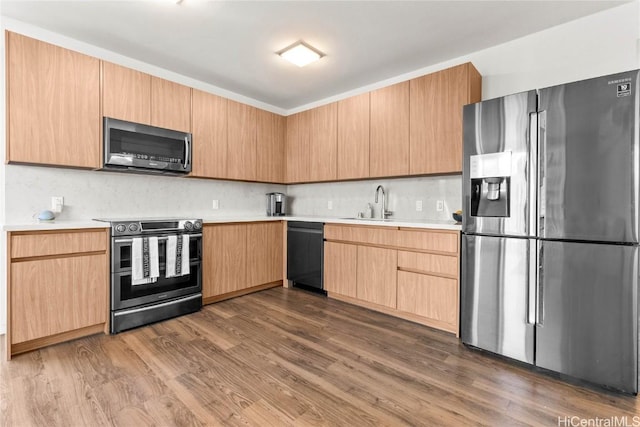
(418, 205)
(330, 204)
(57, 203)
(216, 204)
(440, 205)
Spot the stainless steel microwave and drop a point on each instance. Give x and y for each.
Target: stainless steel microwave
(134, 147)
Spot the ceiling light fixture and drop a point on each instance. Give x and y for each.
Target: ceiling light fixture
(300, 54)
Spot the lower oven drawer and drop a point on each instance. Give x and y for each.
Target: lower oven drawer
(132, 318)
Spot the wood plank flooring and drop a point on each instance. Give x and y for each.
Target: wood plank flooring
(286, 357)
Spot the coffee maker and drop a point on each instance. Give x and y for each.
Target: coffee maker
(276, 204)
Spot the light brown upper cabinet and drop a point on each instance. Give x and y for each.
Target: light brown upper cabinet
(138, 97)
(241, 141)
(297, 147)
(209, 135)
(53, 99)
(323, 143)
(353, 137)
(389, 131)
(270, 147)
(126, 93)
(170, 105)
(436, 118)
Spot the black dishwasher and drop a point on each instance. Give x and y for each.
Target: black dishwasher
(305, 254)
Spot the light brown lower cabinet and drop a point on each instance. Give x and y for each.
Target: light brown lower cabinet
(376, 275)
(58, 287)
(340, 263)
(408, 273)
(240, 258)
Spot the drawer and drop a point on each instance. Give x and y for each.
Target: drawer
(429, 240)
(428, 296)
(383, 236)
(429, 263)
(59, 243)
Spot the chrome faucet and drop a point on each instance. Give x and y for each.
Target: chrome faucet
(384, 213)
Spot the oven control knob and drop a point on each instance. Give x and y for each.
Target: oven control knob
(188, 226)
(133, 227)
(121, 228)
(197, 225)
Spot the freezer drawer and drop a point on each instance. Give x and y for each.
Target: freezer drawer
(495, 297)
(588, 320)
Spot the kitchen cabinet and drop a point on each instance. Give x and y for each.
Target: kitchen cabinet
(376, 275)
(209, 135)
(241, 142)
(141, 98)
(297, 147)
(53, 104)
(240, 258)
(126, 93)
(170, 105)
(340, 263)
(270, 131)
(436, 102)
(264, 253)
(389, 131)
(353, 137)
(58, 287)
(323, 143)
(405, 272)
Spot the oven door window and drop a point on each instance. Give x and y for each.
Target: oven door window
(163, 288)
(122, 254)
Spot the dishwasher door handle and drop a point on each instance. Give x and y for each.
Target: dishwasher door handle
(306, 230)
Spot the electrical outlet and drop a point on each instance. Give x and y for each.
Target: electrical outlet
(440, 205)
(216, 204)
(57, 203)
(330, 204)
(418, 205)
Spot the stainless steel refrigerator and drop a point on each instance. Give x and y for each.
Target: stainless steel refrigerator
(550, 229)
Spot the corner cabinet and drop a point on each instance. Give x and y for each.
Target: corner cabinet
(241, 258)
(53, 104)
(404, 272)
(58, 287)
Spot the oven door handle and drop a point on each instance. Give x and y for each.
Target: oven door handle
(159, 238)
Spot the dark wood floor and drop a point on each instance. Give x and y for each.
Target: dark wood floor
(285, 357)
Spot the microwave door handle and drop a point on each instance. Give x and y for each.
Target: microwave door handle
(186, 151)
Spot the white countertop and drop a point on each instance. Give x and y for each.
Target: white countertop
(75, 224)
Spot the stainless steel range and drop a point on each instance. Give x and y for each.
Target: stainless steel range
(156, 270)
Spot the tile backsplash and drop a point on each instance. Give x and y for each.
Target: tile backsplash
(349, 198)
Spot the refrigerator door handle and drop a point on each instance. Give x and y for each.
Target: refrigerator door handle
(542, 172)
(540, 287)
(533, 173)
(532, 283)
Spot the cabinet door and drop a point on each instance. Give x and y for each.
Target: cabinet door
(340, 265)
(126, 94)
(53, 104)
(224, 259)
(353, 137)
(430, 296)
(389, 131)
(323, 143)
(376, 275)
(264, 253)
(270, 147)
(170, 105)
(241, 143)
(436, 118)
(57, 295)
(209, 135)
(297, 147)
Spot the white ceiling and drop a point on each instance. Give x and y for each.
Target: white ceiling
(232, 44)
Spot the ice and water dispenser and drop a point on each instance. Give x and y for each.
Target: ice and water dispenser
(490, 179)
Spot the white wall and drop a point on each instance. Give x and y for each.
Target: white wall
(595, 45)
